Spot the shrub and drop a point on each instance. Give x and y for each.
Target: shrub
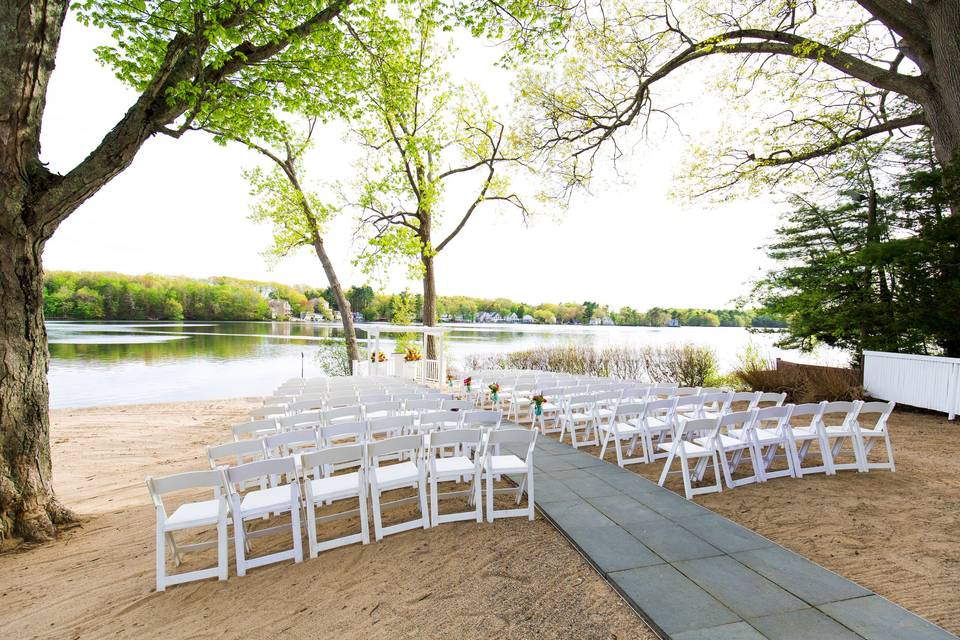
(686, 364)
(802, 383)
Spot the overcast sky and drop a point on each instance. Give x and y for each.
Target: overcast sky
(182, 208)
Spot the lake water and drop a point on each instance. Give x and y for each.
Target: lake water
(123, 363)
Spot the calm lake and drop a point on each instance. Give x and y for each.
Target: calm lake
(123, 363)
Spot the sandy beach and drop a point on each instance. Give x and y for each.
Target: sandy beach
(510, 579)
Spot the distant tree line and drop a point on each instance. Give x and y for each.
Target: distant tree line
(115, 296)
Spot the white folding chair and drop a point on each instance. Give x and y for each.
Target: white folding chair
(282, 498)
(605, 406)
(845, 431)
(699, 448)
(549, 410)
(312, 404)
(291, 444)
(255, 428)
(519, 399)
(189, 515)
(456, 468)
(772, 433)
(578, 411)
(335, 401)
(439, 420)
(802, 436)
(448, 404)
(625, 426)
(408, 473)
(418, 407)
(657, 423)
(741, 425)
(686, 391)
(322, 487)
(240, 452)
(870, 435)
(494, 465)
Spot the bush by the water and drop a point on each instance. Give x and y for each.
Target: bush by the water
(687, 364)
(801, 383)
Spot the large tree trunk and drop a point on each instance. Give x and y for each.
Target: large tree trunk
(28, 508)
(942, 106)
(346, 313)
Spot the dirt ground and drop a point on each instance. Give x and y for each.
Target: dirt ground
(894, 533)
(510, 579)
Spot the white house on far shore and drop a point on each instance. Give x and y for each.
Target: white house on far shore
(279, 309)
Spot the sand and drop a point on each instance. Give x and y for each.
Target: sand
(893, 533)
(509, 579)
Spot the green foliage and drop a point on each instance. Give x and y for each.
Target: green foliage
(113, 296)
(886, 281)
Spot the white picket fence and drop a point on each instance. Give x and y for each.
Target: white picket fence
(929, 382)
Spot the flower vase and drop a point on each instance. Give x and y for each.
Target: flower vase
(538, 410)
(495, 397)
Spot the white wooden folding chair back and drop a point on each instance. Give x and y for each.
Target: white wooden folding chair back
(519, 399)
(448, 404)
(335, 401)
(661, 391)
(839, 421)
(549, 410)
(686, 391)
(374, 398)
(695, 441)
(773, 433)
(189, 515)
(496, 464)
(421, 406)
(871, 425)
(687, 408)
(382, 409)
(322, 487)
(389, 427)
(768, 399)
(713, 404)
(741, 401)
(283, 497)
(290, 443)
(605, 405)
(267, 412)
(255, 429)
(738, 440)
(352, 413)
(343, 433)
(232, 454)
(458, 467)
(625, 427)
(298, 421)
(438, 420)
(313, 404)
(409, 472)
(636, 393)
(806, 429)
(486, 418)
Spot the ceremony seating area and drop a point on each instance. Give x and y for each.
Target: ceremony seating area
(317, 443)
(741, 437)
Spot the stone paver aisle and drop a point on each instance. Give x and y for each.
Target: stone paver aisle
(693, 574)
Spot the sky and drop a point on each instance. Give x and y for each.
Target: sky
(182, 209)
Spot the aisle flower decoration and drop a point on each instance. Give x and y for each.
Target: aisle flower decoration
(412, 355)
(378, 356)
(450, 379)
(538, 401)
(467, 382)
(495, 392)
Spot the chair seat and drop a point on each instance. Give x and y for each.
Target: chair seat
(507, 464)
(581, 417)
(768, 435)
(726, 441)
(343, 484)
(872, 433)
(272, 499)
(657, 424)
(690, 449)
(604, 412)
(839, 431)
(194, 514)
(454, 465)
(549, 406)
(804, 433)
(623, 428)
(397, 474)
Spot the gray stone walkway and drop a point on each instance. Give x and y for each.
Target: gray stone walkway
(692, 574)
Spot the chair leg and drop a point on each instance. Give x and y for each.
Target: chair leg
(312, 529)
(477, 499)
(161, 559)
(377, 521)
(666, 468)
(489, 496)
(685, 471)
(239, 540)
(223, 557)
(603, 445)
(618, 448)
(424, 510)
(364, 525)
(434, 503)
(295, 526)
(530, 503)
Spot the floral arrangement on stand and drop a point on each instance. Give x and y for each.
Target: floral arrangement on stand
(412, 355)
(494, 392)
(450, 379)
(467, 382)
(378, 356)
(538, 401)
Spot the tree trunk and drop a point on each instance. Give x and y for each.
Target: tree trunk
(942, 107)
(429, 302)
(346, 313)
(28, 508)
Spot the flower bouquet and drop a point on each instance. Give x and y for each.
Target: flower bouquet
(467, 382)
(412, 355)
(378, 356)
(538, 401)
(495, 392)
(450, 379)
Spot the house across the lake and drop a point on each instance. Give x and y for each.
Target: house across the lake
(279, 309)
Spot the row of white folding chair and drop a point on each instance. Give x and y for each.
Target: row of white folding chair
(763, 433)
(283, 496)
